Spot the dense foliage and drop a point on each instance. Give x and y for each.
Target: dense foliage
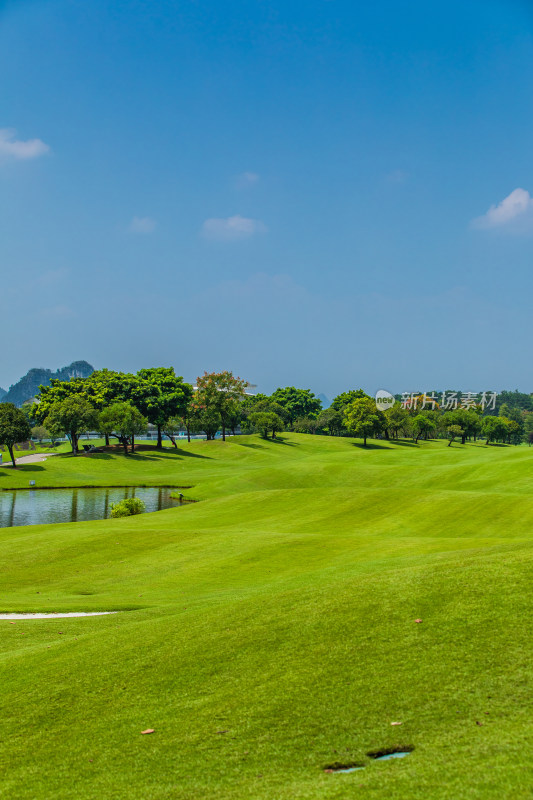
(14, 427)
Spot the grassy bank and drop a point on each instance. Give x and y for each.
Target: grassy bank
(270, 631)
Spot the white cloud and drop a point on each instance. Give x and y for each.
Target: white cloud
(232, 228)
(16, 149)
(516, 206)
(246, 179)
(143, 225)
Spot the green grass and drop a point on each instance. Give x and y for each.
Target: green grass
(269, 629)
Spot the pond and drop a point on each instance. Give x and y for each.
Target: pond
(44, 506)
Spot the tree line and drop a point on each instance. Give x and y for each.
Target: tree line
(354, 413)
(121, 405)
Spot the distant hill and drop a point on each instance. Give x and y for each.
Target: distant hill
(326, 402)
(28, 386)
(2, 393)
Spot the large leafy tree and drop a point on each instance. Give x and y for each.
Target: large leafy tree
(494, 429)
(422, 425)
(516, 417)
(217, 393)
(397, 420)
(124, 421)
(363, 419)
(72, 416)
(469, 420)
(345, 398)
(297, 403)
(266, 421)
(169, 397)
(14, 427)
(330, 421)
(56, 393)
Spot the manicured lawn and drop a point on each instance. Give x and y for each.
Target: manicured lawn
(269, 630)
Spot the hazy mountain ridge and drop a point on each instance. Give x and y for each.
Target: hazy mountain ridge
(28, 386)
(2, 393)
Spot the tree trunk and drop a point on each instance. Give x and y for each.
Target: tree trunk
(125, 445)
(188, 433)
(132, 442)
(364, 441)
(159, 437)
(74, 442)
(13, 462)
(223, 432)
(450, 443)
(107, 440)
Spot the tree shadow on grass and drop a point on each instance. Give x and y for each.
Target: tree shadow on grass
(179, 452)
(174, 452)
(281, 440)
(252, 445)
(404, 443)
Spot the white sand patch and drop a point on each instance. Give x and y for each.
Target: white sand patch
(57, 616)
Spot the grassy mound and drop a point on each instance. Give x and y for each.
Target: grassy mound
(269, 630)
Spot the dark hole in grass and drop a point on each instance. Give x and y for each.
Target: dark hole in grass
(340, 767)
(390, 752)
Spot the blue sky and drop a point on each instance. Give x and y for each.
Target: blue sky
(329, 193)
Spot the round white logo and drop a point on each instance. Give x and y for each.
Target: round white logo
(384, 400)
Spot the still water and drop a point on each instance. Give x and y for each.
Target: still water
(44, 506)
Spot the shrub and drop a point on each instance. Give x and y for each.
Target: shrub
(128, 507)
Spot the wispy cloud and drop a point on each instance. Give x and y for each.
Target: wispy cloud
(18, 150)
(516, 207)
(232, 228)
(143, 225)
(246, 179)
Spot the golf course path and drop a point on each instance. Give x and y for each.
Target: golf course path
(33, 459)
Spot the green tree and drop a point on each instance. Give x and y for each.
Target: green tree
(72, 416)
(453, 431)
(516, 416)
(265, 421)
(330, 421)
(123, 421)
(422, 425)
(39, 432)
(297, 403)
(345, 398)
(217, 393)
(14, 427)
(363, 419)
(494, 429)
(172, 426)
(397, 419)
(206, 420)
(169, 398)
(528, 426)
(306, 425)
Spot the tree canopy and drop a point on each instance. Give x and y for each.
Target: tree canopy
(14, 427)
(297, 403)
